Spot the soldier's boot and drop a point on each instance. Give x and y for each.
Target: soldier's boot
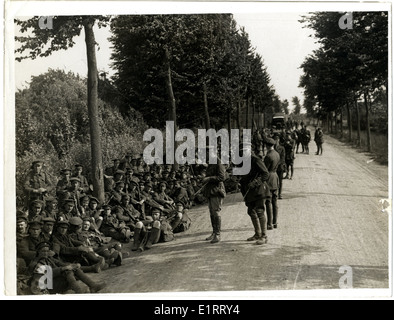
(137, 241)
(93, 285)
(263, 224)
(118, 261)
(154, 234)
(257, 230)
(176, 223)
(217, 229)
(110, 257)
(73, 283)
(213, 232)
(269, 215)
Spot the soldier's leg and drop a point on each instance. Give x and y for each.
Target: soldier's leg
(256, 223)
(137, 235)
(154, 235)
(268, 209)
(280, 175)
(263, 222)
(73, 283)
(212, 217)
(176, 220)
(274, 208)
(93, 285)
(216, 206)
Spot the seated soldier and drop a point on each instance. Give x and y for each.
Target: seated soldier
(67, 211)
(94, 214)
(27, 247)
(126, 212)
(47, 228)
(70, 250)
(64, 275)
(115, 196)
(147, 232)
(162, 197)
(84, 205)
(112, 227)
(180, 194)
(63, 184)
(130, 180)
(103, 246)
(84, 184)
(136, 198)
(174, 218)
(50, 210)
(150, 203)
(36, 210)
(75, 192)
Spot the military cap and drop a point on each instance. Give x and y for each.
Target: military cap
(270, 141)
(20, 218)
(94, 199)
(87, 219)
(120, 183)
(35, 223)
(62, 222)
(50, 199)
(119, 172)
(37, 161)
(134, 182)
(106, 206)
(163, 183)
(75, 221)
(39, 202)
(71, 201)
(84, 198)
(180, 202)
(75, 179)
(65, 171)
(129, 169)
(78, 165)
(116, 159)
(48, 219)
(41, 245)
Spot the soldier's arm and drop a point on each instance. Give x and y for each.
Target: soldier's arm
(27, 185)
(121, 216)
(262, 170)
(24, 250)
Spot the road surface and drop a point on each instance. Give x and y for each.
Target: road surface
(330, 217)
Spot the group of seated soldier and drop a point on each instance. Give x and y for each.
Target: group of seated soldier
(83, 235)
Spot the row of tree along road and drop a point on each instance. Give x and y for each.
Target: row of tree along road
(196, 70)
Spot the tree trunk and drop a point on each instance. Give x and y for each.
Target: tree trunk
(95, 132)
(171, 100)
(341, 123)
(253, 120)
(239, 115)
(331, 124)
(358, 122)
(229, 119)
(369, 144)
(247, 114)
(349, 121)
(328, 122)
(206, 111)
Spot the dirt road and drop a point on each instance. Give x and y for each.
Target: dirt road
(330, 216)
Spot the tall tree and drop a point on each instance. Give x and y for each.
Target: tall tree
(60, 37)
(297, 105)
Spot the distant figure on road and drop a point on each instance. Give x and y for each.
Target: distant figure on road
(215, 192)
(289, 157)
(282, 164)
(271, 161)
(255, 191)
(319, 141)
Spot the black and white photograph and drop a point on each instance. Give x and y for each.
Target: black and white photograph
(197, 150)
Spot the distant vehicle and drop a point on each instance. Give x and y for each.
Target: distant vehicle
(278, 121)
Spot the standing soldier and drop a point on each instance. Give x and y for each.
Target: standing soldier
(255, 191)
(271, 161)
(282, 164)
(214, 191)
(37, 183)
(289, 157)
(319, 141)
(307, 139)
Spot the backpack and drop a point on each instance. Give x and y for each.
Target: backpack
(184, 224)
(166, 233)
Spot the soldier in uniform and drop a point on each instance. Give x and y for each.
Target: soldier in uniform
(147, 232)
(50, 210)
(255, 191)
(84, 184)
(27, 247)
(65, 275)
(63, 185)
(47, 228)
(70, 250)
(271, 161)
(163, 198)
(319, 139)
(214, 191)
(289, 157)
(94, 214)
(282, 164)
(112, 227)
(36, 210)
(37, 183)
(67, 211)
(126, 212)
